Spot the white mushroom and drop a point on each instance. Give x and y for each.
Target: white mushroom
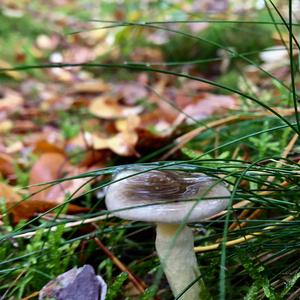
(171, 199)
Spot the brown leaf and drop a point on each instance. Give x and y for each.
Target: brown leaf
(6, 165)
(51, 166)
(108, 108)
(16, 207)
(94, 86)
(122, 143)
(129, 124)
(10, 100)
(43, 146)
(6, 126)
(131, 92)
(209, 104)
(13, 74)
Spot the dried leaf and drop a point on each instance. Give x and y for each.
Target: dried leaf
(6, 165)
(129, 124)
(131, 91)
(6, 126)
(108, 108)
(16, 207)
(13, 74)
(94, 86)
(43, 146)
(122, 143)
(51, 166)
(10, 100)
(209, 104)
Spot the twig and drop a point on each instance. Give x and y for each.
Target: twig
(67, 225)
(241, 239)
(139, 284)
(34, 294)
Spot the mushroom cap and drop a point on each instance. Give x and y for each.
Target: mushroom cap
(165, 196)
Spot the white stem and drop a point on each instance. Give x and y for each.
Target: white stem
(176, 252)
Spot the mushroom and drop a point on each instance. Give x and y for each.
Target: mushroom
(171, 199)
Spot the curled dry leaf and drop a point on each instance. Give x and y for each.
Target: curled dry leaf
(16, 207)
(131, 92)
(108, 108)
(122, 143)
(10, 100)
(6, 165)
(129, 124)
(44, 146)
(13, 74)
(49, 167)
(209, 104)
(93, 86)
(6, 126)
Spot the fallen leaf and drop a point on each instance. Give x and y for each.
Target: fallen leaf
(49, 167)
(93, 86)
(108, 108)
(10, 100)
(44, 146)
(16, 207)
(209, 104)
(13, 74)
(129, 124)
(6, 165)
(14, 147)
(6, 126)
(131, 91)
(122, 143)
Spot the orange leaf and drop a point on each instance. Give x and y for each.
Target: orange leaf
(129, 124)
(6, 165)
(15, 206)
(94, 86)
(51, 166)
(108, 108)
(209, 104)
(122, 143)
(43, 146)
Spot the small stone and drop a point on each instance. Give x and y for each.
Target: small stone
(77, 283)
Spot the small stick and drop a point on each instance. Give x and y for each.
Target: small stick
(34, 294)
(67, 225)
(139, 284)
(241, 239)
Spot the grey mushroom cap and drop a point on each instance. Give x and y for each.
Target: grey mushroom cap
(165, 196)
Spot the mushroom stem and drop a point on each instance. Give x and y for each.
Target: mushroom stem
(176, 252)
